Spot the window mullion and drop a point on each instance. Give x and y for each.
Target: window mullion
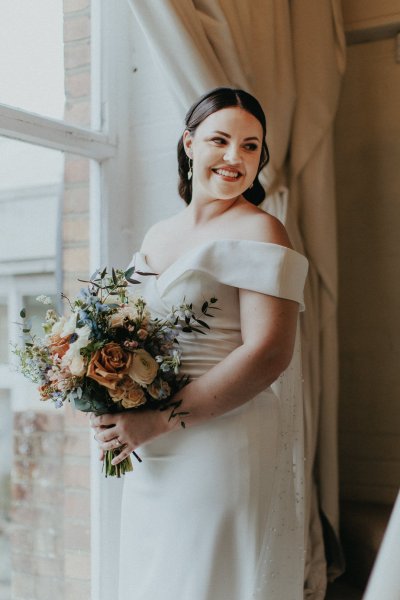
(29, 127)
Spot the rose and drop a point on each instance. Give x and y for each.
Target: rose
(143, 368)
(59, 345)
(118, 318)
(129, 393)
(109, 365)
(159, 390)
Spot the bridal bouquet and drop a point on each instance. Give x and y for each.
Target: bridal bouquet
(109, 354)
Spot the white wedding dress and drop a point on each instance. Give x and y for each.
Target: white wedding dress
(214, 512)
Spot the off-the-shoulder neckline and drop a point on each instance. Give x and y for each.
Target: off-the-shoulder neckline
(201, 247)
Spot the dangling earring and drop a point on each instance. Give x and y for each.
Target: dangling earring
(190, 172)
(251, 186)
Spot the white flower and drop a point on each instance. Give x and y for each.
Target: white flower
(58, 327)
(70, 325)
(72, 358)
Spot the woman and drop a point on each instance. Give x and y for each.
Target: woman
(213, 512)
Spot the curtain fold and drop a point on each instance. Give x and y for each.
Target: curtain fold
(291, 56)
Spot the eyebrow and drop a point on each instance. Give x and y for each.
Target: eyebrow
(247, 139)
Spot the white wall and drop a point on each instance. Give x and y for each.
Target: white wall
(154, 129)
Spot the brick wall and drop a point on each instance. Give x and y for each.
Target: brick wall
(37, 535)
(75, 235)
(51, 472)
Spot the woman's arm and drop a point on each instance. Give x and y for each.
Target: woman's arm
(268, 327)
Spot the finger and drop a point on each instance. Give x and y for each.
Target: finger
(106, 435)
(114, 444)
(125, 452)
(101, 455)
(103, 420)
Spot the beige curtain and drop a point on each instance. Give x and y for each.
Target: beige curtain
(291, 56)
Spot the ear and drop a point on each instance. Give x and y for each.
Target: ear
(187, 143)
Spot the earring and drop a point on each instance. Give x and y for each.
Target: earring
(251, 186)
(190, 172)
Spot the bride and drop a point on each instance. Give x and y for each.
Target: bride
(214, 512)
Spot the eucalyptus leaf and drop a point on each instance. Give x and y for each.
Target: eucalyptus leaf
(129, 272)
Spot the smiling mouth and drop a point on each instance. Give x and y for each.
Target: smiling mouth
(228, 174)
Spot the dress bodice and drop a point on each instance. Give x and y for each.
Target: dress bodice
(219, 269)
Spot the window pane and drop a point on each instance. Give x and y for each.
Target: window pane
(3, 332)
(45, 58)
(36, 312)
(31, 181)
(31, 56)
(5, 492)
(44, 228)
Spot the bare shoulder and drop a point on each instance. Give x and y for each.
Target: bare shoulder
(260, 226)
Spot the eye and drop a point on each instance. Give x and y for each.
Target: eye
(218, 141)
(251, 147)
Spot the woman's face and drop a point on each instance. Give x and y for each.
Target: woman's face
(225, 149)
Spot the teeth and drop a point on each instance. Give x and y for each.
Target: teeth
(227, 173)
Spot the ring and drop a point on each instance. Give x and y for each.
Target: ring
(117, 443)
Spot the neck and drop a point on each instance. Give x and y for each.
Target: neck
(203, 211)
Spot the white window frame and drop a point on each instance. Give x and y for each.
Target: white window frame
(106, 144)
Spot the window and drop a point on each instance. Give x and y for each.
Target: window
(60, 169)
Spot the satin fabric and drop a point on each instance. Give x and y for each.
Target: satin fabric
(215, 511)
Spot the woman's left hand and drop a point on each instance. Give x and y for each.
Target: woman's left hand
(126, 430)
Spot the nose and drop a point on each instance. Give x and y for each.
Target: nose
(232, 154)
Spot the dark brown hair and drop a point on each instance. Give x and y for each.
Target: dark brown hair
(209, 103)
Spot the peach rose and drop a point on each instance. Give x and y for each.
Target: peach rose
(118, 318)
(143, 368)
(109, 365)
(59, 345)
(129, 393)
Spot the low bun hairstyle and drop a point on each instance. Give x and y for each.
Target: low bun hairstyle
(209, 103)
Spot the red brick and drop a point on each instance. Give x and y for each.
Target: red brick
(77, 85)
(22, 539)
(41, 517)
(76, 230)
(49, 542)
(78, 112)
(48, 495)
(21, 492)
(53, 421)
(77, 476)
(75, 5)
(77, 444)
(77, 504)
(76, 28)
(77, 55)
(50, 445)
(49, 588)
(77, 537)
(77, 590)
(76, 170)
(76, 259)
(23, 586)
(76, 199)
(77, 565)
